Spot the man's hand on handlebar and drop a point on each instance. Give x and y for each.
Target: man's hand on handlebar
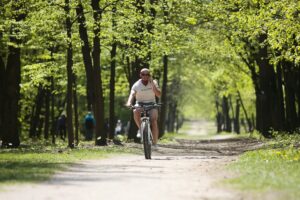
(128, 105)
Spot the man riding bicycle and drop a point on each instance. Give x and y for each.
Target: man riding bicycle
(144, 91)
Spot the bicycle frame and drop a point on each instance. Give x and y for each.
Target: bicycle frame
(145, 118)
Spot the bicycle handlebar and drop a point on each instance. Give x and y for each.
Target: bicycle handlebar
(146, 107)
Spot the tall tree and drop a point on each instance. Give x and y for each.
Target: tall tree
(290, 95)
(2, 75)
(86, 54)
(113, 53)
(164, 100)
(75, 99)
(2, 71)
(47, 113)
(98, 92)
(69, 76)
(53, 127)
(36, 112)
(12, 78)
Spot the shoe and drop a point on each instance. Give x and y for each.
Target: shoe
(138, 135)
(154, 146)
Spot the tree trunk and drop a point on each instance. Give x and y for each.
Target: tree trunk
(69, 76)
(36, 113)
(231, 108)
(255, 80)
(163, 110)
(139, 41)
(40, 127)
(10, 135)
(47, 114)
(264, 84)
(267, 93)
(280, 122)
(164, 100)
(253, 121)
(2, 75)
(101, 134)
(53, 121)
(129, 75)
(136, 67)
(112, 119)
(225, 111)
(298, 95)
(75, 109)
(290, 100)
(250, 127)
(86, 54)
(150, 28)
(171, 117)
(113, 53)
(219, 117)
(237, 117)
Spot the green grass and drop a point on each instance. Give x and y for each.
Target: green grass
(270, 169)
(37, 163)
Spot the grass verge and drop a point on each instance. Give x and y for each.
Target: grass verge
(38, 163)
(275, 169)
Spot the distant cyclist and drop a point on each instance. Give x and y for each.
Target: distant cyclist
(144, 91)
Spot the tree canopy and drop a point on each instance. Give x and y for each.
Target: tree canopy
(209, 56)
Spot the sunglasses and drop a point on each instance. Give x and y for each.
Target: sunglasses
(145, 74)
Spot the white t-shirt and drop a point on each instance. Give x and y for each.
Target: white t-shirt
(144, 93)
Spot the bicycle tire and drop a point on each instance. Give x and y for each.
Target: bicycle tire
(146, 141)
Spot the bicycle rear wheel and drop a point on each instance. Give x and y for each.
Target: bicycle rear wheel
(146, 140)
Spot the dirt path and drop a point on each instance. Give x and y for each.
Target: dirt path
(199, 127)
(186, 170)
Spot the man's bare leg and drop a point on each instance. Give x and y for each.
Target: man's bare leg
(137, 117)
(154, 117)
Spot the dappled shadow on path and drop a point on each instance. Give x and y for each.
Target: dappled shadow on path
(101, 171)
(212, 147)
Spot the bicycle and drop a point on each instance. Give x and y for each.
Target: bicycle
(145, 129)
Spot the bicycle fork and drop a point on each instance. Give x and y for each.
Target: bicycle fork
(150, 137)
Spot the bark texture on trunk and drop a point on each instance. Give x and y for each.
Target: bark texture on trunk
(86, 54)
(113, 54)
(101, 135)
(70, 129)
(12, 79)
(164, 101)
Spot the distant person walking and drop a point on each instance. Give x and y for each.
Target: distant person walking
(62, 127)
(118, 129)
(89, 123)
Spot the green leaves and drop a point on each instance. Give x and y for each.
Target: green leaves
(277, 19)
(191, 20)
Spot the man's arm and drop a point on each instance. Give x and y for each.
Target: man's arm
(130, 98)
(155, 88)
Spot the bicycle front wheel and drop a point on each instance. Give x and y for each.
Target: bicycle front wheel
(146, 139)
